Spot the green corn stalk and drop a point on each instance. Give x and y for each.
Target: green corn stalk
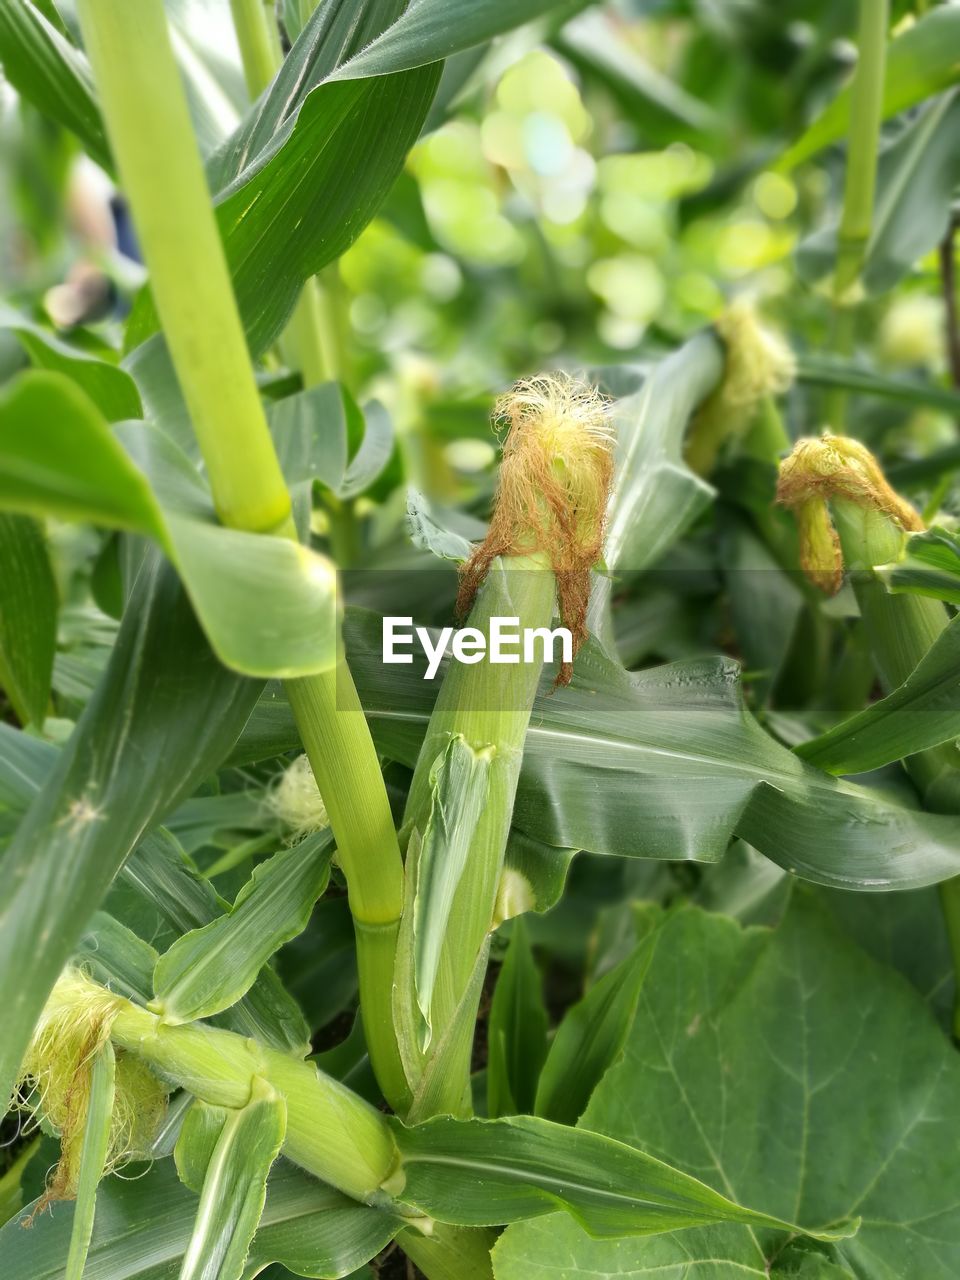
(152, 140)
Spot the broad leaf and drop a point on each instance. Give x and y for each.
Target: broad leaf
(164, 702)
(923, 712)
(922, 61)
(209, 969)
(485, 1172)
(792, 1072)
(143, 1227)
(28, 617)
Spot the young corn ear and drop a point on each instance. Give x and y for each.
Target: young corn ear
(552, 495)
(295, 799)
(55, 1081)
(838, 473)
(758, 364)
(545, 537)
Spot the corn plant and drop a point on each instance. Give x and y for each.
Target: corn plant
(539, 868)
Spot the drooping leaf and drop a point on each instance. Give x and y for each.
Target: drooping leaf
(792, 1072)
(266, 603)
(591, 1038)
(110, 388)
(665, 763)
(523, 1167)
(93, 1156)
(235, 1187)
(164, 715)
(210, 968)
(50, 72)
(516, 1030)
(923, 712)
(57, 457)
(28, 617)
(143, 1226)
(922, 61)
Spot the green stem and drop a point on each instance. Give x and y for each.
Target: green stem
(259, 42)
(950, 904)
(856, 220)
(152, 139)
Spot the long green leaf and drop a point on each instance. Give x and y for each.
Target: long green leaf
(28, 617)
(922, 713)
(591, 1037)
(209, 969)
(162, 718)
(50, 72)
(931, 566)
(922, 61)
(144, 1224)
(832, 371)
(235, 1187)
(93, 1157)
(516, 1030)
(664, 763)
(485, 1172)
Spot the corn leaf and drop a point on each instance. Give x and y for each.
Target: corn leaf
(656, 496)
(209, 969)
(235, 1187)
(931, 566)
(922, 713)
(28, 617)
(826, 370)
(164, 702)
(485, 1172)
(591, 1038)
(267, 604)
(516, 1030)
(813, 1032)
(921, 61)
(116, 957)
(43, 66)
(110, 388)
(143, 1227)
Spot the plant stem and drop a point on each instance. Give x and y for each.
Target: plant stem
(152, 140)
(156, 153)
(948, 279)
(259, 42)
(856, 220)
